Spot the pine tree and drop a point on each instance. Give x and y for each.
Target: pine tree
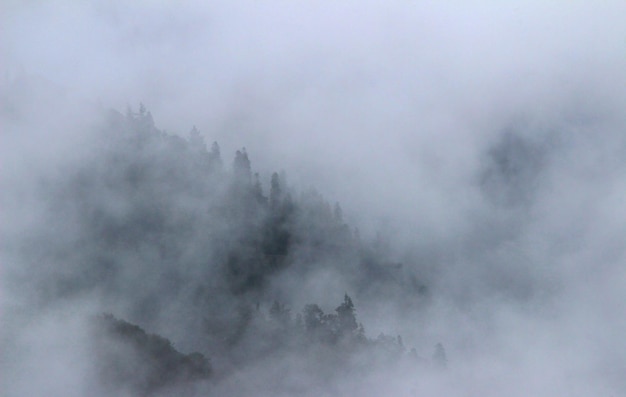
(241, 167)
(196, 141)
(257, 190)
(346, 316)
(313, 317)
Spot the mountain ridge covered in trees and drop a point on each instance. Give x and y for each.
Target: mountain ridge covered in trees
(157, 226)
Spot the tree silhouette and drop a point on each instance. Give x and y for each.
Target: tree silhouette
(241, 167)
(346, 316)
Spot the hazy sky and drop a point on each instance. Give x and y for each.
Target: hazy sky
(409, 92)
(397, 110)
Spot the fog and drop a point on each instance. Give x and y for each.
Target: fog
(481, 145)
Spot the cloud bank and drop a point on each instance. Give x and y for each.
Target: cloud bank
(484, 141)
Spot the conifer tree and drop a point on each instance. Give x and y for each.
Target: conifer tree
(196, 141)
(346, 316)
(241, 167)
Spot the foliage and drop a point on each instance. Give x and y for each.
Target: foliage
(144, 362)
(158, 210)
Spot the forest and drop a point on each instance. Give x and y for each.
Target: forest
(162, 225)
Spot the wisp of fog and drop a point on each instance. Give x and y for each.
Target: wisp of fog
(315, 198)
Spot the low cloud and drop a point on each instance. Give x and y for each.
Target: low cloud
(480, 146)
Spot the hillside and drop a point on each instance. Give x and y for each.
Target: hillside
(169, 237)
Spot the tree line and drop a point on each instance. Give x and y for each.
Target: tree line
(159, 221)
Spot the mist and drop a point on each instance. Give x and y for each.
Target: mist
(478, 150)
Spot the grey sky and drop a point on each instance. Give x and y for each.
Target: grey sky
(354, 83)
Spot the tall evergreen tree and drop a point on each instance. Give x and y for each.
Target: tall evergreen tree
(241, 167)
(313, 318)
(196, 141)
(346, 316)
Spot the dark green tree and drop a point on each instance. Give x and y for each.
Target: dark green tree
(257, 190)
(346, 316)
(241, 167)
(313, 318)
(196, 141)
